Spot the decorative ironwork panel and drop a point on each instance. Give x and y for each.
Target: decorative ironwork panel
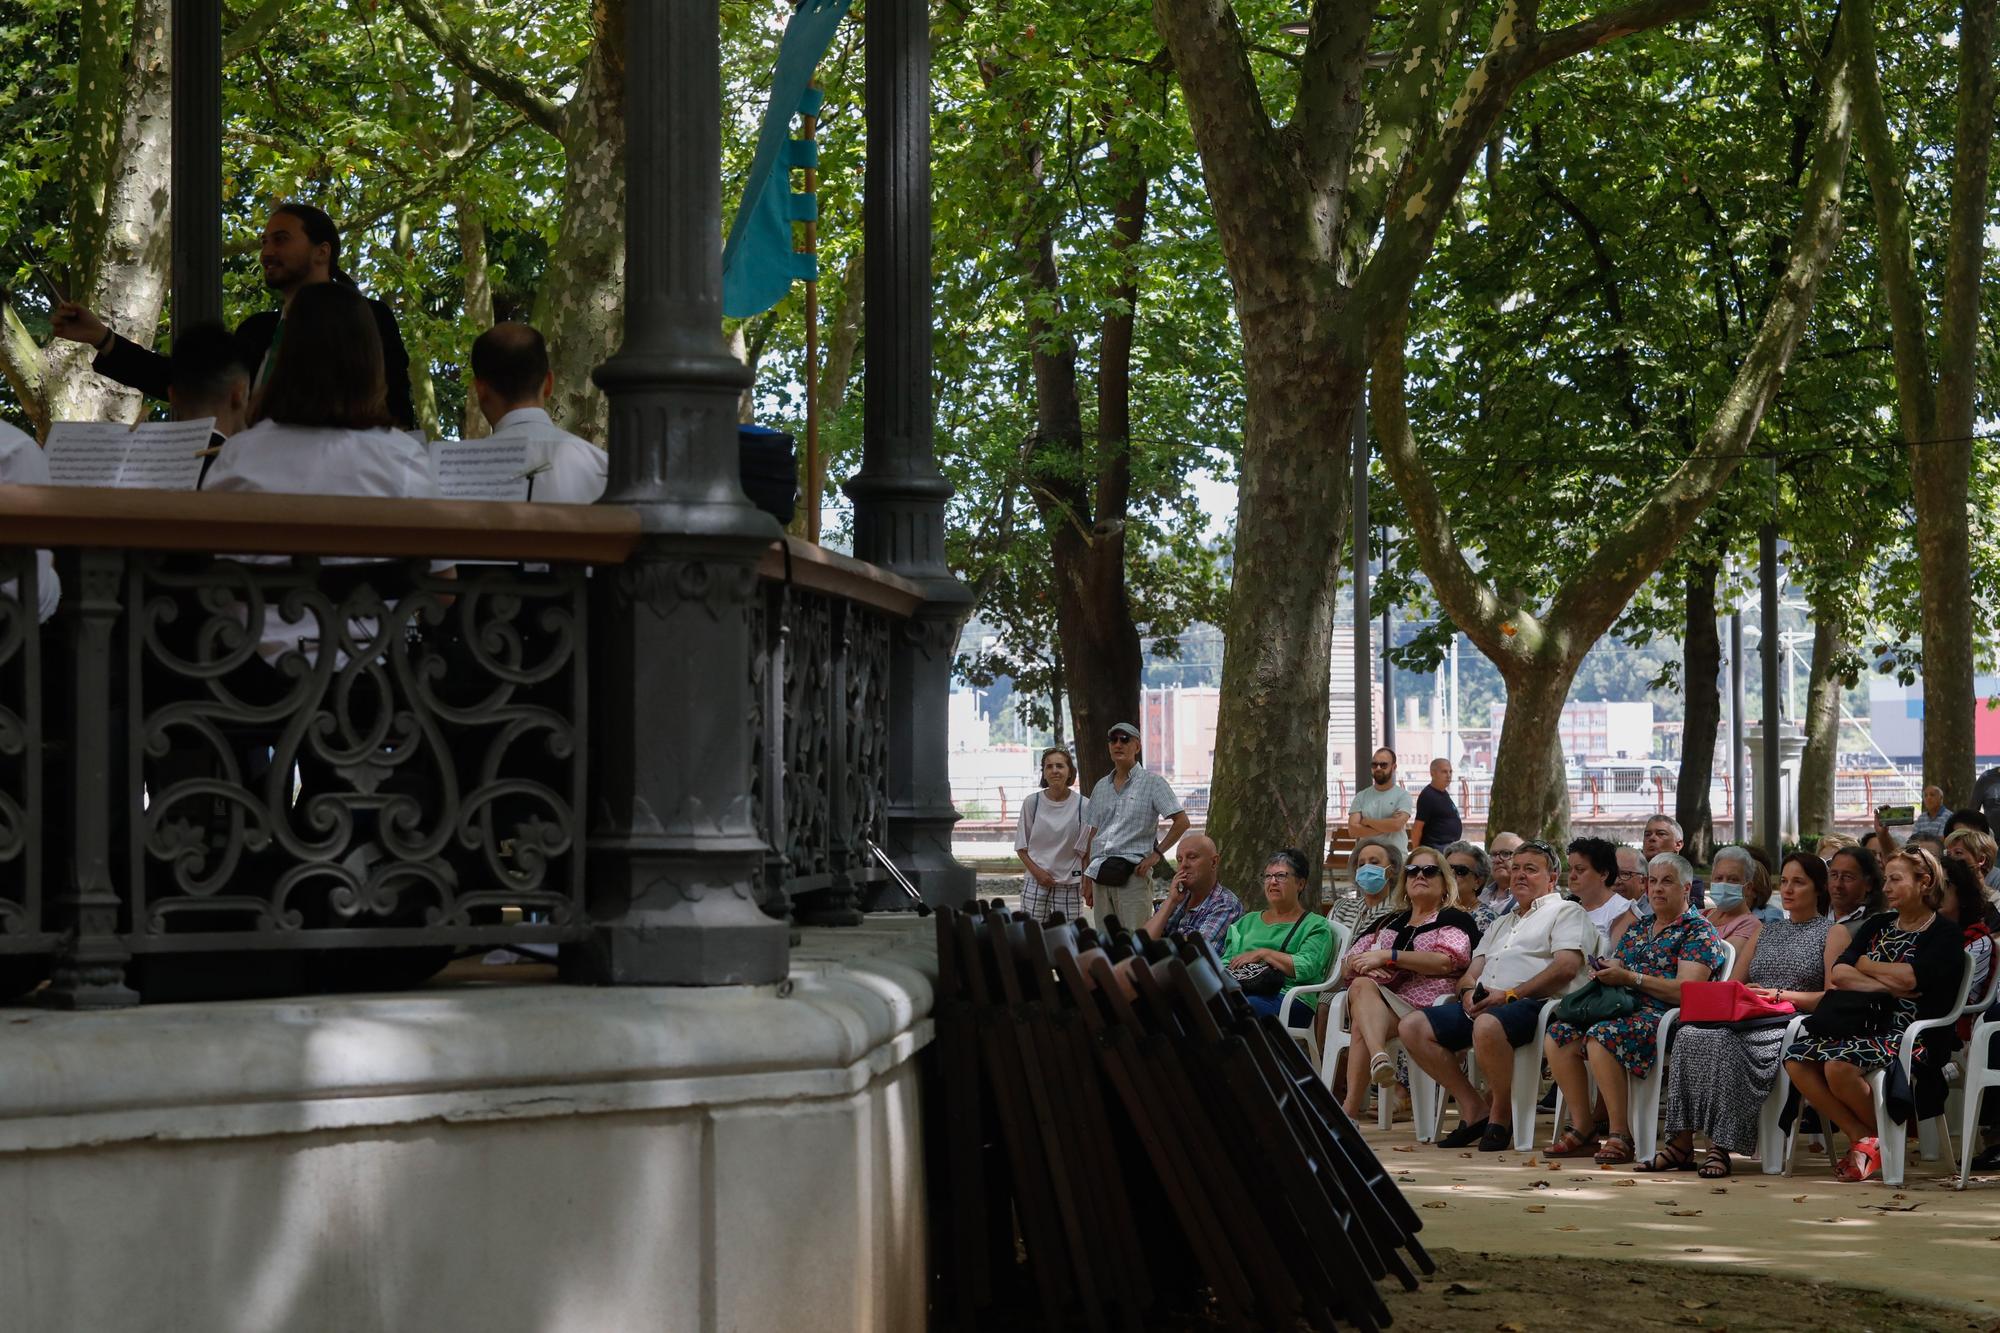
(808, 737)
(21, 775)
(865, 767)
(352, 753)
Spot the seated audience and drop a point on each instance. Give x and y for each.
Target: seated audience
(1471, 871)
(1854, 878)
(1533, 954)
(512, 379)
(1737, 886)
(1496, 899)
(1966, 907)
(1720, 1076)
(1411, 958)
(1195, 903)
(1378, 879)
(22, 463)
(1912, 953)
(1975, 848)
(1284, 936)
(1675, 944)
(1593, 869)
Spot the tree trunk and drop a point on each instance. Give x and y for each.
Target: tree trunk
(1701, 665)
(1823, 691)
(581, 308)
(1293, 494)
(843, 341)
(1530, 791)
(125, 277)
(409, 296)
(477, 277)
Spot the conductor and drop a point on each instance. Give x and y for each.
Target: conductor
(301, 246)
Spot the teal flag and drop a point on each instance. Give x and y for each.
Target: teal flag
(759, 264)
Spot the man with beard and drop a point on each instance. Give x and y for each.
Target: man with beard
(301, 246)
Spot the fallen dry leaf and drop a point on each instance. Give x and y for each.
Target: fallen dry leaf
(1685, 1212)
(1800, 1198)
(1510, 1327)
(1696, 1305)
(1464, 1289)
(1537, 1208)
(1691, 1249)
(1533, 1162)
(1435, 1203)
(1568, 1227)
(1627, 1181)
(1718, 1190)
(1628, 1244)
(1405, 1147)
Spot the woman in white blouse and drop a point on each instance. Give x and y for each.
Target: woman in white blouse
(1052, 839)
(320, 425)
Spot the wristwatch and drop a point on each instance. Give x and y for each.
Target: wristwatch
(1511, 995)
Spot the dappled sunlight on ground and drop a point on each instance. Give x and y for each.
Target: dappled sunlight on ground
(1924, 1239)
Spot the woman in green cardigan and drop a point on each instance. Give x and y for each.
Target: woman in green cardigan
(1284, 936)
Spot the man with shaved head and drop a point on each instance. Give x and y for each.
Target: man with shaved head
(1196, 904)
(512, 381)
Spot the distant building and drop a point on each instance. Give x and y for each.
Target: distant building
(1896, 715)
(1599, 729)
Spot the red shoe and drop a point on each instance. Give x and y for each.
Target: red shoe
(1863, 1160)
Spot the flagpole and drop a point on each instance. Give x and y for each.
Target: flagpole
(810, 126)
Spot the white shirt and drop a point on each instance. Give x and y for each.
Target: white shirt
(563, 468)
(1373, 803)
(272, 458)
(1053, 833)
(1521, 944)
(22, 463)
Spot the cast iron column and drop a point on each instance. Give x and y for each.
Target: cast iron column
(194, 188)
(899, 495)
(675, 855)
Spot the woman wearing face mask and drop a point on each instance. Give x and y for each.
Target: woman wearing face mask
(1378, 878)
(1052, 841)
(1730, 909)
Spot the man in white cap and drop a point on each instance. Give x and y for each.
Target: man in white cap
(1126, 808)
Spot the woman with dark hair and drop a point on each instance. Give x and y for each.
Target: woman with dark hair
(1052, 839)
(1720, 1076)
(1966, 906)
(1295, 944)
(320, 426)
(301, 248)
(1911, 953)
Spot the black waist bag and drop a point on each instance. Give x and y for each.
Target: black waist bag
(1115, 872)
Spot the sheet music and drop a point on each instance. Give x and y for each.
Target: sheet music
(154, 455)
(481, 469)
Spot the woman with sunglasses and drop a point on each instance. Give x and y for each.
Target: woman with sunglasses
(1410, 958)
(1470, 870)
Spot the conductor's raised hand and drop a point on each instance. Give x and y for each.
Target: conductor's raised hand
(74, 322)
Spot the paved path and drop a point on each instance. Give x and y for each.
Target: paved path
(1946, 1247)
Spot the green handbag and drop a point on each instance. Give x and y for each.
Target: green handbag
(1595, 1002)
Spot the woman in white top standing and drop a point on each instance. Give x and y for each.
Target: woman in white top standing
(1052, 839)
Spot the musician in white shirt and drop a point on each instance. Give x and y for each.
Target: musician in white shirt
(512, 381)
(320, 425)
(22, 463)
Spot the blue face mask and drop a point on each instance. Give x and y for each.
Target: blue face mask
(1371, 879)
(1725, 896)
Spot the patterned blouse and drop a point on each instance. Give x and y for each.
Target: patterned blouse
(1691, 939)
(1451, 932)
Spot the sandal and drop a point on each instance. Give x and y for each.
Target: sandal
(1381, 1070)
(1617, 1150)
(1863, 1160)
(1716, 1165)
(1671, 1157)
(1573, 1142)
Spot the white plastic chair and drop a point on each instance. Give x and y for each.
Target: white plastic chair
(1980, 1074)
(1526, 1095)
(1893, 1135)
(1774, 1142)
(1954, 1102)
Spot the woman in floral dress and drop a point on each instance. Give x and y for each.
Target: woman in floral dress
(1720, 1076)
(1673, 945)
(1912, 952)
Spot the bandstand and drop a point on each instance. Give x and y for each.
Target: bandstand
(652, 733)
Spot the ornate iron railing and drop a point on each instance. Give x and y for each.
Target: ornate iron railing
(351, 763)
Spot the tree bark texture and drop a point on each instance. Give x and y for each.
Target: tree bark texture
(477, 277)
(121, 208)
(1530, 790)
(1817, 764)
(1701, 690)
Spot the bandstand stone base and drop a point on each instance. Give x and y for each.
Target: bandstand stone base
(541, 1158)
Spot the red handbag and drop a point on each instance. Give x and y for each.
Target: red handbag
(1727, 1002)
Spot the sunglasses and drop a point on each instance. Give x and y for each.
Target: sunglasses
(1465, 872)
(1421, 872)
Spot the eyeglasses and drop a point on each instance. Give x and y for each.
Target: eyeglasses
(1122, 739)
(1279, 876)
(1421, 872)
(1466, 872)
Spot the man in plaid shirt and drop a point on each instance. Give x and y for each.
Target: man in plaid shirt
(1196, 904)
